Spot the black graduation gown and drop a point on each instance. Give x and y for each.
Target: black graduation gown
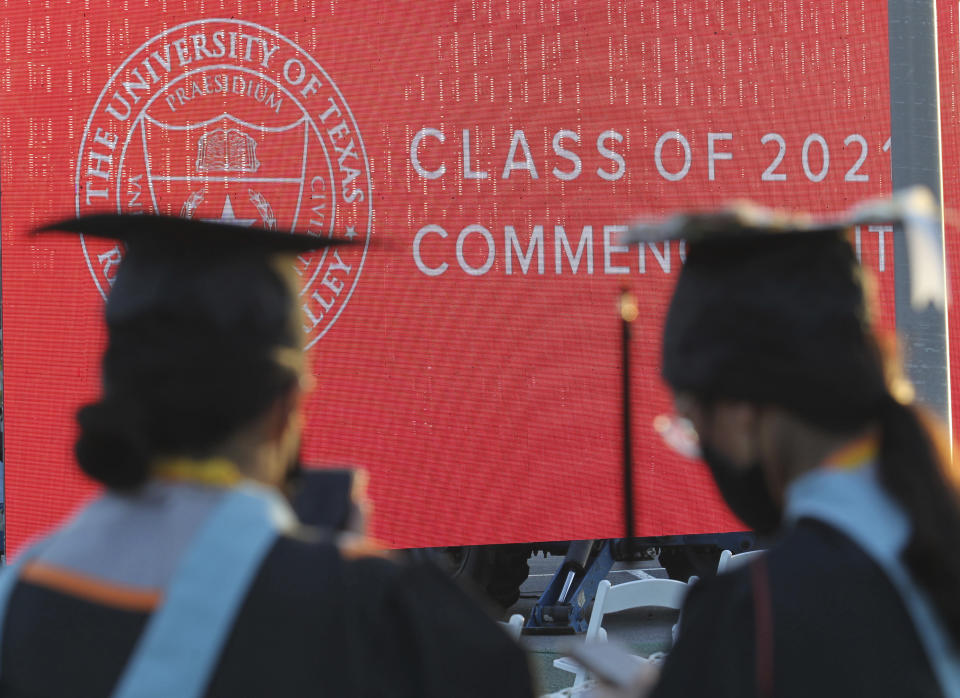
(313, 623)
(839, 628)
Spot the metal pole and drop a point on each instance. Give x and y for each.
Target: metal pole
(915, 159)
(628, 313)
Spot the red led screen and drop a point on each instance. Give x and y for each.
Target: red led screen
(490, 153)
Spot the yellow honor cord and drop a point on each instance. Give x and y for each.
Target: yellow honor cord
(218, 472)
(855, 454)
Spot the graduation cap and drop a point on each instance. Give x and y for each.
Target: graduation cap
(770, 306)
(743, 222)
(172, 264)
(197, 299)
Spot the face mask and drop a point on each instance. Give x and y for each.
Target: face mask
(744, 491)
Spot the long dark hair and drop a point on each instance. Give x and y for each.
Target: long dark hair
(179, 378)
(916, 469)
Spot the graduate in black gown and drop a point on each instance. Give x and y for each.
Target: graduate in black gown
(190, 575)
(808, 428)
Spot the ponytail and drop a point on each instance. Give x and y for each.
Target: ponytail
(914, 469)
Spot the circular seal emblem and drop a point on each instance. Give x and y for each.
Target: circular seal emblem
(226, 120)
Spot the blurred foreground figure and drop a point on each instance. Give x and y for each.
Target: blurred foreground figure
(191, 575)
(808, 429)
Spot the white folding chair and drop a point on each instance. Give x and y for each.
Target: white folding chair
(730, 562)
(514, 626)
(643, 593)
(675, 629)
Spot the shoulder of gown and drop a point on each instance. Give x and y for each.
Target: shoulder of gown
(399, 629)
(840, 628)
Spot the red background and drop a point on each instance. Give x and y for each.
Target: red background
(485, 407)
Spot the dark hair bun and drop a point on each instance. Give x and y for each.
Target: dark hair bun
(111, 448)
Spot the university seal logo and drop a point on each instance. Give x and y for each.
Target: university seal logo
(226, 120)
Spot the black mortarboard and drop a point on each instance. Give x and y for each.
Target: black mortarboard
(770, 308)
(172, 263)
(777, 319)
(913, 209)
(202, 322)
(173, 232)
